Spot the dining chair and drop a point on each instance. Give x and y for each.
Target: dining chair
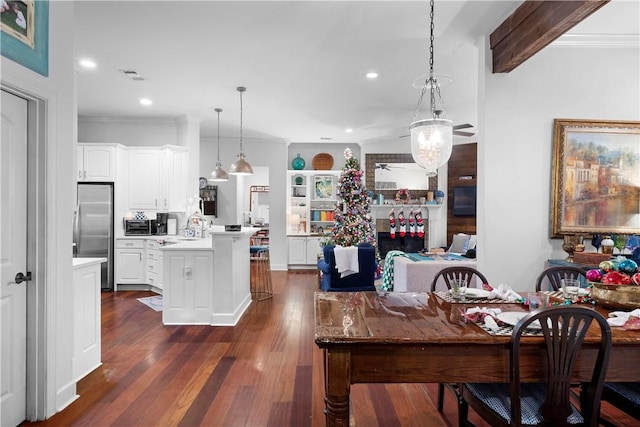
(446, 275)
(548, 402)
(555, 275)
(624, 396)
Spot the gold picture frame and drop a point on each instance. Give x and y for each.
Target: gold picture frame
(595, 183)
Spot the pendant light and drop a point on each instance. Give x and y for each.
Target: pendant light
(241, 166)
(218, 174)
(432, 138)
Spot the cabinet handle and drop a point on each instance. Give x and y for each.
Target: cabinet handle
(85, 174)
(79, 174)
(156, 202)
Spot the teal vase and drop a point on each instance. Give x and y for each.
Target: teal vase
(298, 163)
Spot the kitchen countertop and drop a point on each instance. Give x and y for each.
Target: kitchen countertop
(84, 262)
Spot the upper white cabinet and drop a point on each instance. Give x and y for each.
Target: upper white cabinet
(174, 180)
(95, 162)
(144, 179)
(157, 179)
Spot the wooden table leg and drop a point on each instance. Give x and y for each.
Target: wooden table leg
(337, 364)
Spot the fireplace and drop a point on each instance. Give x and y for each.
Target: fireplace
(406, 244)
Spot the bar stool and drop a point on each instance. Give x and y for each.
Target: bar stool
(261, 287)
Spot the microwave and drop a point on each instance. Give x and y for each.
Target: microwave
(137, 227)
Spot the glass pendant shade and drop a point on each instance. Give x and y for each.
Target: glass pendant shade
(431, 143)
(241, 167)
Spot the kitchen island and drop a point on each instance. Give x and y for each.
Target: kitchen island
(206, 281)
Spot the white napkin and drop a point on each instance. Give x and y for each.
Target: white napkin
(618, 318)
(346, 260)
(488, 319)
(504, 292)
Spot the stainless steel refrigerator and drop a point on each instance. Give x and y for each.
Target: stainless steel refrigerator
(93, 227)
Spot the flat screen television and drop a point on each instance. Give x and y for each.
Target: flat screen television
(464, 201)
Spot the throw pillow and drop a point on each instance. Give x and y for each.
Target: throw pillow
(460, 241)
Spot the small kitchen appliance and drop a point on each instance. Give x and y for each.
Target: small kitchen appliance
(162, 219)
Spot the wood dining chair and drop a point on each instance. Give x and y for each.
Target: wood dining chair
(520, 403)
(624, 396)
(446, 275)
(555, 275)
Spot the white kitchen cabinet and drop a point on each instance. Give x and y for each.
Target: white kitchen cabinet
(154, 263)
(174, 180)
(95, 163)
(87, 349)
(129, 266)
(143, 184)
(188, 296)
(304, 250)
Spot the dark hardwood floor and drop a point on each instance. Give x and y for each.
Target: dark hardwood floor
(266, 371)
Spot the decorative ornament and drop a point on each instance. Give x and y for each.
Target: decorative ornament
(403, 195)
(298, 163)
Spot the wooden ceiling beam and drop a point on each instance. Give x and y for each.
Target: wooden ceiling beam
(534, 25)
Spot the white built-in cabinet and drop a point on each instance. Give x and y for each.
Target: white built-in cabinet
(157, 179)
(304, 250)
(130, 261)
(87, 349)
(95, 162)
(154, 263)
(311, 201)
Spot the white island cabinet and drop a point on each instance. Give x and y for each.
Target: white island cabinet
(206, 281)
(86, 315)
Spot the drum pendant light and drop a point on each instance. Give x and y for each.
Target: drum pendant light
(241, 166)
(218, 174)
(432, 138)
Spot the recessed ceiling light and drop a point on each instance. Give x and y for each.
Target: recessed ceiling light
(372, 75)
(348, 130)
(145, 101)
(87, 63)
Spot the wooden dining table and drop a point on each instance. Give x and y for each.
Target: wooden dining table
(376, 337)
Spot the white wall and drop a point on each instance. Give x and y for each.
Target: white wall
(59, 91)
(515, 147)
(271, 154)
(144, 132)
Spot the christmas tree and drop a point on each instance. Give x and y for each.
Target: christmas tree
(353, 223)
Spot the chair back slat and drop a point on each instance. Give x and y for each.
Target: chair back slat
(457, 272)
(555, 275)
(564, 330)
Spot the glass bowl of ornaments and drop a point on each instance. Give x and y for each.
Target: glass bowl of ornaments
(616, 284)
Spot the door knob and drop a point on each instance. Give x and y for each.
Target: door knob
(23, 278)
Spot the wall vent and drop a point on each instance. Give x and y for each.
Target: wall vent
(132, 74)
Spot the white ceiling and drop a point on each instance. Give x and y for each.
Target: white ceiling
(302, 62)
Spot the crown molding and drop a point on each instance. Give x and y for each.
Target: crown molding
(597, 40)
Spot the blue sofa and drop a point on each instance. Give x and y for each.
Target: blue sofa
(361, 281)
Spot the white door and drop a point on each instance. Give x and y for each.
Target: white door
(13, 260)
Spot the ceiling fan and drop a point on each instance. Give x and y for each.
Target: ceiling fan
(456, 130)
(387, 166)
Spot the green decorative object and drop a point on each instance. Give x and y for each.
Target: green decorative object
(299, 180)
(298, 163)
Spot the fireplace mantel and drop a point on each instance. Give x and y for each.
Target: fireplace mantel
(429, 212)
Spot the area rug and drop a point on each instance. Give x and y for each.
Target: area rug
(155, 302)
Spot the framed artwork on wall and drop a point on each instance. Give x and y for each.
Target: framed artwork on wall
(323, 188)
(25, 24)
(595, 183)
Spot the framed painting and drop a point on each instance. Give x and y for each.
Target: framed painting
(323, 188)
(595, 183)
(25, 38)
